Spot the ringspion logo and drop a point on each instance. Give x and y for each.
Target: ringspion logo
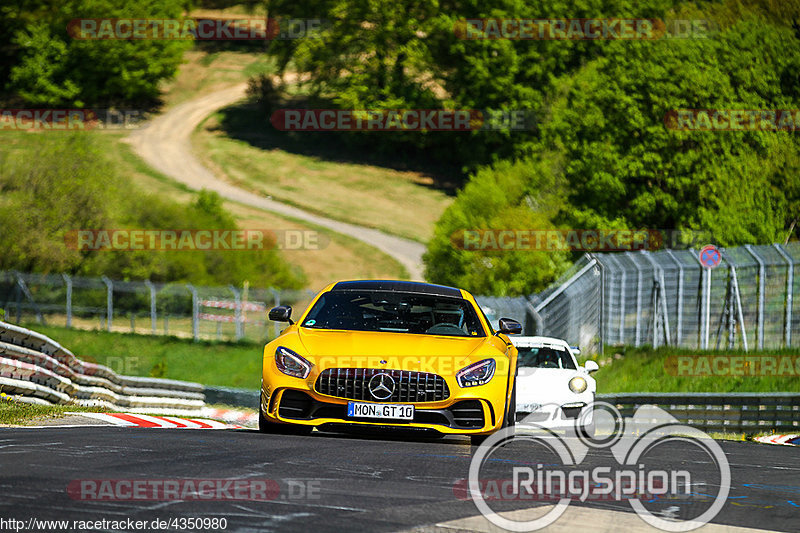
(646, 475)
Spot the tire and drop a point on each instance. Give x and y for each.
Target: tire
(588, 432)
(477, 440)
(510, 420)
(264, 425)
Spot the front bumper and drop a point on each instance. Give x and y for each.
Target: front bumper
(457, 415)
(567, 415)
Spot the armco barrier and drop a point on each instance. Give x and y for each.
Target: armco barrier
(234, 397)
(36, 366)
(740, 412)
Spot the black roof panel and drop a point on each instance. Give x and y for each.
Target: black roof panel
(397, 286)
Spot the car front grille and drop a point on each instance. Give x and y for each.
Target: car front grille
(409, 386)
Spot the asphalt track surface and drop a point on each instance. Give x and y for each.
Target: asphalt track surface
(361, 483)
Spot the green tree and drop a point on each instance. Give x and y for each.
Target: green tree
(621, 167)
(48, 67)
(509, 196)
(69, 184)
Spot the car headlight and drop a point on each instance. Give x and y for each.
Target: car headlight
(291, 363)
(476, 374)
(577, 384)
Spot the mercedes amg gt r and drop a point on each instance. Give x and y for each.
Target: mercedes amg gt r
(369, 355)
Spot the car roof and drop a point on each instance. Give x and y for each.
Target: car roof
(538, 342)
(397, 286)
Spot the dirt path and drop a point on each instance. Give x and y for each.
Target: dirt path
(165, 144)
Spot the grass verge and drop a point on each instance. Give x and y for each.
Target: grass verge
(229, 364)
(647, 370)
(239, 143)
(13, 412)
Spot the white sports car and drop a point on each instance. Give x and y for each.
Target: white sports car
(553, 392)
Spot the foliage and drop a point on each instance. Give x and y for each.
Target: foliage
(46, 67)
(517, 196)
(68, 184)
(623, 168)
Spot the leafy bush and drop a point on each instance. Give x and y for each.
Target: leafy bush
(68, 184)
(46, 67)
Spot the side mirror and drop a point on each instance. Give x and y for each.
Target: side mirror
(510, 326)
(282, 313)
(591, 366)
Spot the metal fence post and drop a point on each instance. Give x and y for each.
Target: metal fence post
(601, 326)
(29, 295)
(109, 301)
(639, 281)
(679, 306)
(153, 312)
(195, 312)
(277, 296)
(538, 323)
(762, 271)
(787, 332)
(705, 288)
(18, 292)
(622, 280)
(237, 311)
(739, 312)
(68, 283)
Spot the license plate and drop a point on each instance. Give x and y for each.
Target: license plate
(380, 410)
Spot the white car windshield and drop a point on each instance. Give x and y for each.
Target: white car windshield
(545, 357)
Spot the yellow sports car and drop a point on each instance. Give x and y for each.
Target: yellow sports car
(370, 355)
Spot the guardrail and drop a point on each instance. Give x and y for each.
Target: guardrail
(230, 396)
(741, 412)
(40, 369)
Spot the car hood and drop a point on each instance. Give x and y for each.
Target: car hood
(402, 351)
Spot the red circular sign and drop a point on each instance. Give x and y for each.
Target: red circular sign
(710, 256)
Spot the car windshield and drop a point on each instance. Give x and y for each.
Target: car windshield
(545, 358)
(395, 312)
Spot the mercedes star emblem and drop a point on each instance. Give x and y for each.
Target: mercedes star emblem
(381, 386)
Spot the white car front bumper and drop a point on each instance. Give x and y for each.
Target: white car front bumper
(558, 415)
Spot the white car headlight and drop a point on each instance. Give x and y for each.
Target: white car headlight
(292, 364)
(577, 384)
(475, 374)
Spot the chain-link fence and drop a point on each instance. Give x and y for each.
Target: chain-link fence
(668, 297)
(182, 310)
